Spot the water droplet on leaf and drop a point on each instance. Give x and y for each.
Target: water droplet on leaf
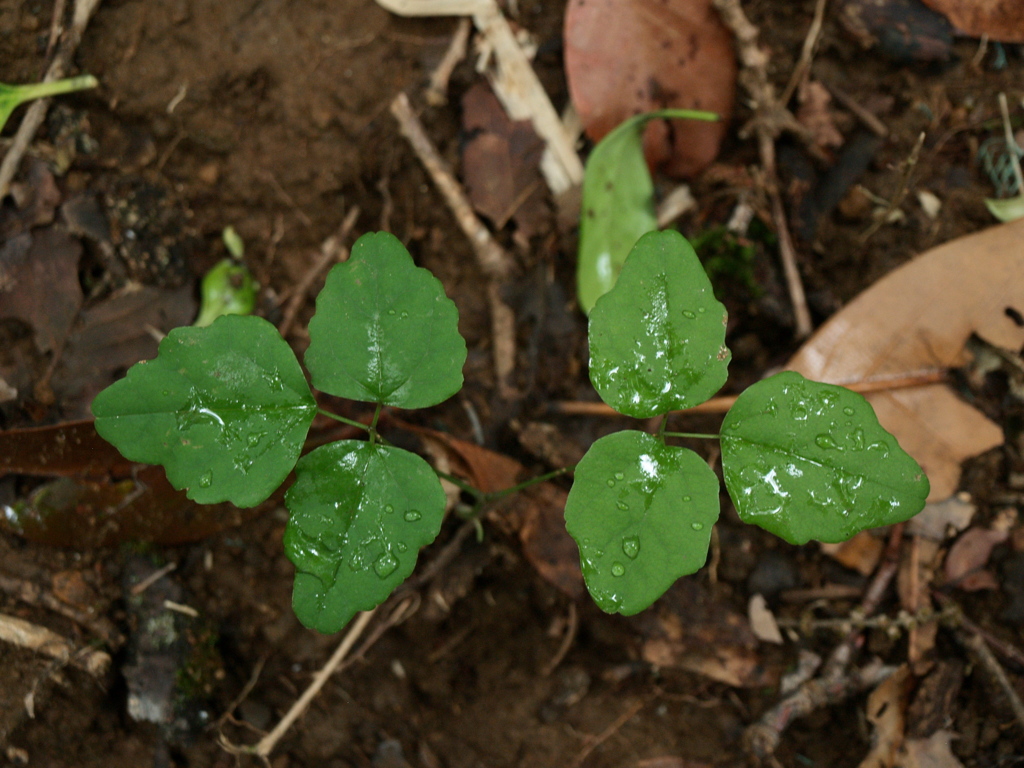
(619, 476)
(622, 505)
(412, 516)
(825, 441)
(388, 509)
(385, 565)
(689, 314)
(697, 526)
(618, 569)
(631, 547)
(206, 479)
(848, 411)
(611, 483)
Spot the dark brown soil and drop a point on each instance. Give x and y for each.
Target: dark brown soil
(272, 116)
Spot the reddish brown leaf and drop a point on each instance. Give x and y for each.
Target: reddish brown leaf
(545, 542)
(623, 57)
(969, 554)
(72, 448)
(1001, 20)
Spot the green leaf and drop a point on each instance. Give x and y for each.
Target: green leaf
(359, 515)
(225, 409)
(384, 331)
(806, 460)
(11, 96)
(657, 340)
(1008, 209)
(641, 513)
(227, 289)
(618, 203)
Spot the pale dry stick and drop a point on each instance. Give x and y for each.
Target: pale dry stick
(31, 593)
(725, 402)
(568, 637)
(48, 643)
(36, 113)
(492, 259)
(803, 65)
(266, 745)
(770, 119)
(332, 251)
(514, 82)
(437, 91)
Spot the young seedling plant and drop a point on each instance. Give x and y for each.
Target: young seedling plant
(226, 409)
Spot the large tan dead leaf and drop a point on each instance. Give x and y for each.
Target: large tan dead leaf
(623, 57)
(919, 318)
(1001, 20)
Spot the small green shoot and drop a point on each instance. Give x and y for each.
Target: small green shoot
(227, 289)
(226, 410)
(618, 203)
(13, 96)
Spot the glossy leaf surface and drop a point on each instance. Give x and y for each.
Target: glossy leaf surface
(359, 515)
(384, 330)
(806, 460)
(657, 340)
(225, 409)
(618, 204)
(641, 513)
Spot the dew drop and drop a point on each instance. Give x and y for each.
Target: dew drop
(253, 439)
(388, 508)
(825, 441)
(848, 411)
(618, 569)
(619, 476)
(412, 516)
(687, 498)
(622, 505)
(206, 479)
(391, 312)
(404, 315)
(631, 547)
(689, 314)
(385, 565)
(857, 439)
(697, 526)
(402, 546)
(702, 310)
(166, 393)
(611, 483)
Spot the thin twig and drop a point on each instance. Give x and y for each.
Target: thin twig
(770, 119)
(976, 643)
(806, 53)
(906, 172)
(834, 683)
(332, 251)
(725, 402)
(437, 91)
(867, 117)
(267, 743)
(37, 110)
(568, 637)
(1011, 143)
(593, 742)
(492, 259)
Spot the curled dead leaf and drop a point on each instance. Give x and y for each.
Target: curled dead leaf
(919, 318)
(623, 57)
(1001, 20)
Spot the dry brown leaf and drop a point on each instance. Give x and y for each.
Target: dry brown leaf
(933, 752)
(919, 318)
(861, 553)
(886, 712)
(815, 114)
(1001, 20)
(623, 57)
(938, 519)
(969, 555)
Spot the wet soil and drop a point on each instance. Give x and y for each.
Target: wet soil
(272, 116)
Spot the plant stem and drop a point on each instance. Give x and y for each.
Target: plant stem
(697, 435)
(373, 424)
(28, 91)
(342, 419)
(527, 483)
(461, 484)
